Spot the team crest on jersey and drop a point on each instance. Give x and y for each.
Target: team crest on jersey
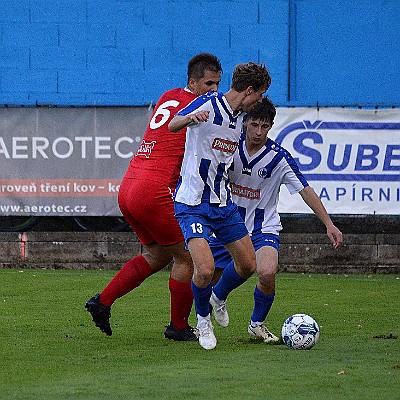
(263, 173)
(242, 191)
(145, 149)
(224, 145)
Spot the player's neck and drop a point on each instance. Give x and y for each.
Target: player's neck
(234, 100)
(189, 89)
(253, 148)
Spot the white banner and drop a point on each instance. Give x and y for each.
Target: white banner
(351, 157)
(70, 161)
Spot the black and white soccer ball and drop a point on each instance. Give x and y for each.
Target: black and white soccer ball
(300, 332)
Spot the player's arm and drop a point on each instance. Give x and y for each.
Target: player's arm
(313, 201)
(180, 122)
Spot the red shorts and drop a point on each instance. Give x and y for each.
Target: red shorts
(148, 207)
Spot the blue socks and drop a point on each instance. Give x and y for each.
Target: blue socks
(262, 305)
(202, 299)
(229, 280)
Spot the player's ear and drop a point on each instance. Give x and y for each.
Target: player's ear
(191, 83)
(249, 90)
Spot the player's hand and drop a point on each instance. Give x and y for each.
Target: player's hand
(200, 116)
(335, 236)
(180, 122)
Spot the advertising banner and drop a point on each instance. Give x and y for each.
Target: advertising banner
(70, 161)
(351, 157)
(66, 161)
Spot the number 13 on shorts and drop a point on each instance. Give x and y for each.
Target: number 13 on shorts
(197, 227)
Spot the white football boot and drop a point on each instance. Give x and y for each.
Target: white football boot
(207, 338)
(220, 312)
(261, 331)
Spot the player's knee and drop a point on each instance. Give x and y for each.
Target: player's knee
(265, 275)
(204, 273)
(182, 271)
(158, 258)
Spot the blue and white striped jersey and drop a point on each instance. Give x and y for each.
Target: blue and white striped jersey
(256, 181)
(209, 152)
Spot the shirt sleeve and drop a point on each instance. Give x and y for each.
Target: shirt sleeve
(292, 177)
(199, 103)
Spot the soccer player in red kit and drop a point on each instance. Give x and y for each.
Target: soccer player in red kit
(145, 200)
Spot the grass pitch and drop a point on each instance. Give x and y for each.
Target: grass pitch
(50, 349)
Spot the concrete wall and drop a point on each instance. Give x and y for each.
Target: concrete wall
(300, 252)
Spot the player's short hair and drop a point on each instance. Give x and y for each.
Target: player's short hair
(202, 62)
(264, 111)
(250, 74)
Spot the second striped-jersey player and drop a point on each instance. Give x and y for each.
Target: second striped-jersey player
(255, 184)
(260, 167)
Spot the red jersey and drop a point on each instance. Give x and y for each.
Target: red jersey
(159, 157)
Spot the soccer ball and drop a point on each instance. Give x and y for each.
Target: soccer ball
(300, 332)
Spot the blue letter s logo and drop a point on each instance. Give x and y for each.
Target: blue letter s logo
(301, 148)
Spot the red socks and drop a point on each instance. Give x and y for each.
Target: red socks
(132, 274)
(181, 303)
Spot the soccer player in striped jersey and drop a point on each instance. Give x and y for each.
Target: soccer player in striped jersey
(145, 199)
(203, 201)
(259, 169)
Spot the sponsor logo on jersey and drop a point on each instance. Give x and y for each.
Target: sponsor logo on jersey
(224, 145)
(242, 191)
(145, 149)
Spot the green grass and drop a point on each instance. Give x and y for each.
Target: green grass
(50, 349)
